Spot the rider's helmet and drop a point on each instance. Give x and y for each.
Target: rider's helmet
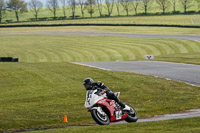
(88, 83)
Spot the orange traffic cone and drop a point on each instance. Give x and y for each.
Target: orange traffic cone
(65, 118)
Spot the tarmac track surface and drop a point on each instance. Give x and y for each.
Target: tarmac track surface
(175, 71)
(190, 37)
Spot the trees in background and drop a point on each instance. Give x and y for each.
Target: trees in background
(35, 6)
(64, 4)
(117, 4)
(18, 6)
(163, 4)
(135, 5)
(83, 6)
(198, 2)
(186, 4)
(109, 6)
(146, 5)
(100, 6)
(72, 4)
(173, 3)
(91, 6)
(52, 5)
(2, 9)
(125, 5)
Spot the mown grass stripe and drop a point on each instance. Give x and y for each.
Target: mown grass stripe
(92, 48)
(113, 52)
(167, 47)
(68, 55)
(14, 53)
(65, 57)
(158, 46)
(187, 45)
(172, 45)
(135, 50)
(178, 43)
(91, 56)
(76, 50)
(86, 54)
(125, 52)
(123, 44)
(196, 46)
(140, 50)
(182, 47)
(32, 55)
(147, 46)
(191, 46)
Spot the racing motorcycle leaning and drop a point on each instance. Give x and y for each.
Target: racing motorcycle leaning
(104, 110)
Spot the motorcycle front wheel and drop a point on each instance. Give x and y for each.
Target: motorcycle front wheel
(132, 115)
(101, 119)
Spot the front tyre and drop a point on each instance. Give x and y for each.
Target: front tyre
(100, 117)
(132, 115)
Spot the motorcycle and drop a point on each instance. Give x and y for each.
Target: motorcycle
(104, 110)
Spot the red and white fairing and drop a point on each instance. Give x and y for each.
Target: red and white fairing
(93, 99)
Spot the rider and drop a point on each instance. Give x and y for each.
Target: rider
(91, 85)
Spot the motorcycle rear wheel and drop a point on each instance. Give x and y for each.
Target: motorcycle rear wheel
(100, 119)
(132, 117)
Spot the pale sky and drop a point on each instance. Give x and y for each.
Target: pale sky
(43, 1)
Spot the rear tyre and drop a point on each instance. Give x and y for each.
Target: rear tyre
(99, 118)
(132, 115)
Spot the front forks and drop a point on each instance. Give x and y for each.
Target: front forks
(99, 110)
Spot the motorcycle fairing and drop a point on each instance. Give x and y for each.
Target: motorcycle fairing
(92, 98)
(114, 115)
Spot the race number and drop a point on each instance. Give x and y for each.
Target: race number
(118, 115)
(89, 96)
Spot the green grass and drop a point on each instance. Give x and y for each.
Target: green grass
(164, 20)
(46, 13)
(35, 95)
(192, 58)
(90, 48)
(190, 125)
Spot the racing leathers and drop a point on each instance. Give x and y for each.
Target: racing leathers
(110, 94)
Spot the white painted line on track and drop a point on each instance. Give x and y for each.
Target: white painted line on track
(101, 68)
(91, 66)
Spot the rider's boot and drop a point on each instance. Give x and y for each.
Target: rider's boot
(124, 106)
(111, 95)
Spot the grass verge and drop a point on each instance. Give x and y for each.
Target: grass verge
(37, 95)
(30, 48)
(186, 20)
(189, 125)
(192, 58)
